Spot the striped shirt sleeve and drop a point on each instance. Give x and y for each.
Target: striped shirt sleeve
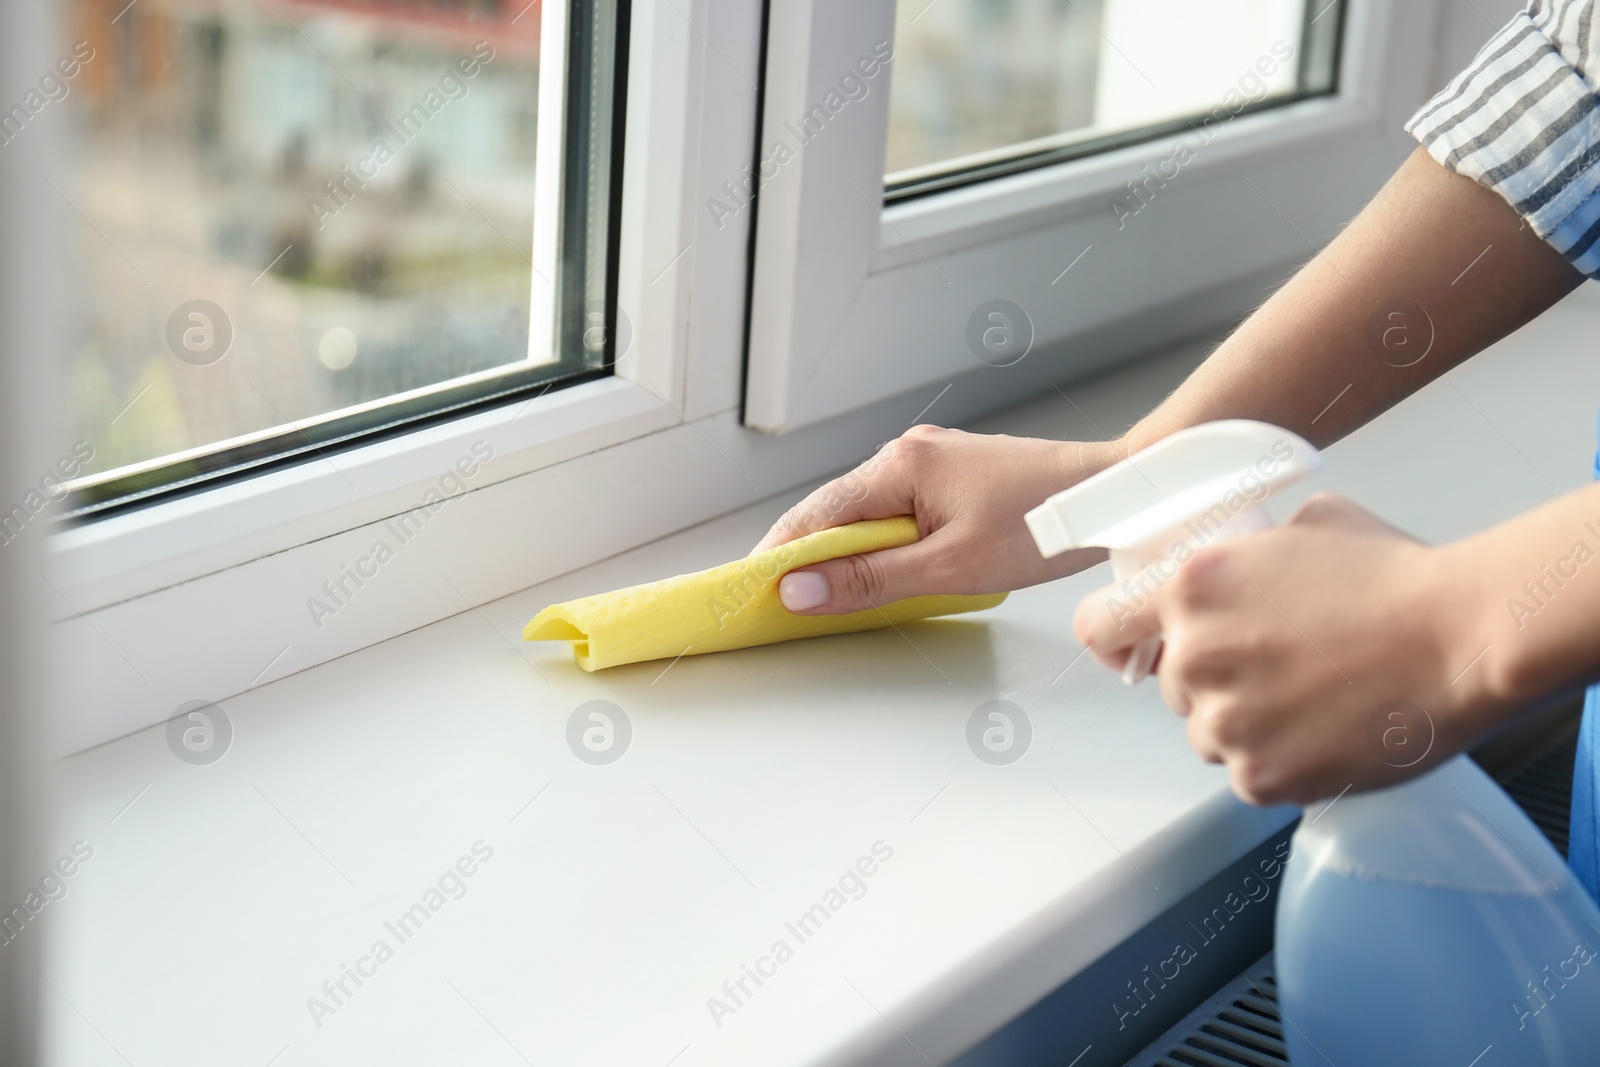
(1524, 120)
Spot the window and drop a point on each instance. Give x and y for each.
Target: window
(984, 87)
(826, 310)
(573, 474)
(1074, 161)
(305, 223)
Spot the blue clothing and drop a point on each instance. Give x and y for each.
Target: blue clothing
(1583, 851)
(1583, 855)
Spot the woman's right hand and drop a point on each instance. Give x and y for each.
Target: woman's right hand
(968, 493)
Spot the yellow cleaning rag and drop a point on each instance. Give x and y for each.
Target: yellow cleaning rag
(732, 606)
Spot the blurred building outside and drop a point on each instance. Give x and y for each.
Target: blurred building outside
(209, 134)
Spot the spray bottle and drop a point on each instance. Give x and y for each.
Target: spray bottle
(1427, 923)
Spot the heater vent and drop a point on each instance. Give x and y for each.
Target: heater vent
(1543, 789)
(1238, 1027)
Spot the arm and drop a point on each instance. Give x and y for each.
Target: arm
(1284, 365)
(1430, 237)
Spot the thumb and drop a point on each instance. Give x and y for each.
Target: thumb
(861, 583)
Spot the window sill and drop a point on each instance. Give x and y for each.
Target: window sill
(753, 781)
(748, 789)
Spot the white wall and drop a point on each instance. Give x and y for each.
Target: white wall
(1464, 26)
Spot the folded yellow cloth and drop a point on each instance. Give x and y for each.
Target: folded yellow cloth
(732, 606)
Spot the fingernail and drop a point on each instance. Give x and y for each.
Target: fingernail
(803, 590)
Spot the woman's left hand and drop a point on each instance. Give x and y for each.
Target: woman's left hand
(1311, 658)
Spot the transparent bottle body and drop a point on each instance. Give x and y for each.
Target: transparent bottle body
(1433, 923)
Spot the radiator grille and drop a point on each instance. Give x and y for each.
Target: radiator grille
(1238, 1027)
(1543, 789)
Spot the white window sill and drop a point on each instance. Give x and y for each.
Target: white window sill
(619, 898)
(633, 890)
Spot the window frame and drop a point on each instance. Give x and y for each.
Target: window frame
(868, 318)
(137, 551)
(206, 596)
(136, 592)
(320, 490)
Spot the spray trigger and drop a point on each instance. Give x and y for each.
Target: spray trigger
(1154, 509)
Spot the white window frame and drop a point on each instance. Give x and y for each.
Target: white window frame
(206, 596)
(853, 303)
(178, 600)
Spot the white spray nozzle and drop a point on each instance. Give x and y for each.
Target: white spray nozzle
(1199, 485)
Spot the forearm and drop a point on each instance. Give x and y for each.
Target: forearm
(1526, 593)
(1305, 361)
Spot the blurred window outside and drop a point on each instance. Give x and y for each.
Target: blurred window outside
(981, 83)
(294, 214)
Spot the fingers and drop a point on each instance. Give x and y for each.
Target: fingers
(1202, 738)
(1110, 624)
(1175, 693)
(872, 579)
(1331, 511)
(878, 489)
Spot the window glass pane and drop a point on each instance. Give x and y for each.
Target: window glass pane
(987, 86)
(305, 221)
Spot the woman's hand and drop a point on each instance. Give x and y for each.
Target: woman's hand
(1312, 658)
(968, 493)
